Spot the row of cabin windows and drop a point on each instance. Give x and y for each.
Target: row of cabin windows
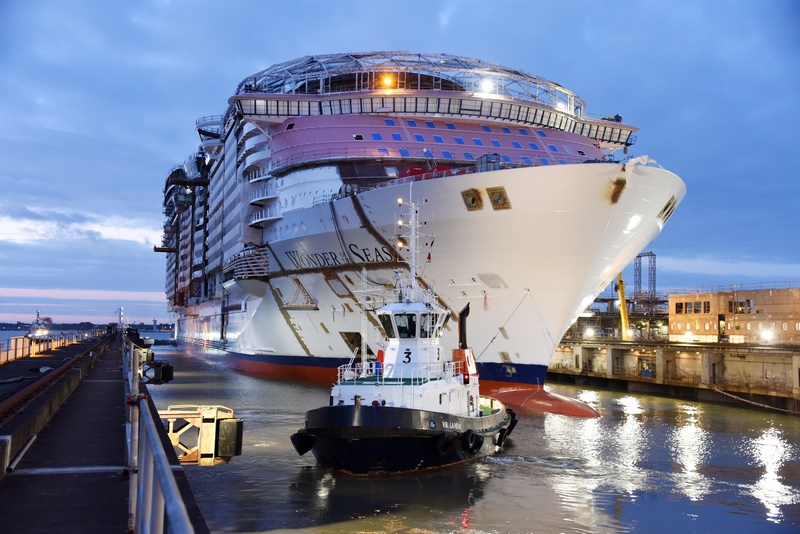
(734, 326)
(450, 126)
(693, 307)
(734, 306)
(407, 325)
(460, 141)
(448, 155)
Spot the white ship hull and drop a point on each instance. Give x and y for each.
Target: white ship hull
(528, 270)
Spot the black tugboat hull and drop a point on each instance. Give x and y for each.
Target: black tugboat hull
(377, 439)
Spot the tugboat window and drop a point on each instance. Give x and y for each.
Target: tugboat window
(386, 323)
(406, 325)
(427, 325)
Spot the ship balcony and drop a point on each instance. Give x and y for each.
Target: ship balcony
(263, 195)
(246, 272)
(213, 147)
(257, 175)
(265, 216)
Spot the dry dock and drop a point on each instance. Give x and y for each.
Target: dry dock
(63, 442)
(742, 374)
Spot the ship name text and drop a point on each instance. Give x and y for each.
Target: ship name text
(332, 259)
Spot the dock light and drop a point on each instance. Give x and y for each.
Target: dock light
(766, 336)
(399, 201)
(689, 336)
(400, 223)
(387, 81)
(589, 332)
(630, 333)
(400, 244)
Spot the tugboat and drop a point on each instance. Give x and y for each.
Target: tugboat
(38, 330)
(412, 408)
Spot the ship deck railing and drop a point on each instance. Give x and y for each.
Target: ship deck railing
(375, 373)
(252, 262)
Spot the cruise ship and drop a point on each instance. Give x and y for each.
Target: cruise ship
(282, 234)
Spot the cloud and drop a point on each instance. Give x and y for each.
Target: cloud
(23, 225)
(83, 294)
(447, 13)
(725, 267)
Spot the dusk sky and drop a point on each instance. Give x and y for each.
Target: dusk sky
(98, 100)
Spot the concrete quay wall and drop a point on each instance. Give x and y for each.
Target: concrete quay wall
(712, 372)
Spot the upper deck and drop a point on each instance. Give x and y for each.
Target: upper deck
(401, 83)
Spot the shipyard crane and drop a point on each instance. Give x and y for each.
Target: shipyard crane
(623, 308)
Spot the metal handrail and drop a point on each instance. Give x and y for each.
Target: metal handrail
(17, 347)
(155, 501)
(158, 497)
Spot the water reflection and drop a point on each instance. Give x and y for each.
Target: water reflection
(689, 449)
(770, 450)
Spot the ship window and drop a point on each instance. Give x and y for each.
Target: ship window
(386, 323)
(679, 307)
(541, 133)
(552, 147)
(412, 123)
(581, 152)
(697, 306)
(459, 141)
(406, 325)
(506, 130)
(486, 129)
(397, 137)
(450, 125)
(477, 141)
(533, 146)
(523, 131)
(289, 126)
(358, 137)
(568, 150)
(404, 152)
(438, 138)
(419, 137)
(527, 160)
(427, 152)
(427, 325)
(446, 154)
(507, 159)
(544, 161)
(688, 307)
(383, 152)
(391, 172)
(495, 142)
(706, 306)
(469, 156)
(389, 122)
(429, 124)
(376, 137)
(516, 144)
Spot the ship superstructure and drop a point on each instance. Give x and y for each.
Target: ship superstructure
(294, 190)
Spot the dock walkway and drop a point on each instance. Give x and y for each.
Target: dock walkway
(73, 477)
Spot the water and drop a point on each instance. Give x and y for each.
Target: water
(649, 464)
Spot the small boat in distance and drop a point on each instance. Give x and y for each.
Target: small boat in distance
(38, 330)
(411, 408)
